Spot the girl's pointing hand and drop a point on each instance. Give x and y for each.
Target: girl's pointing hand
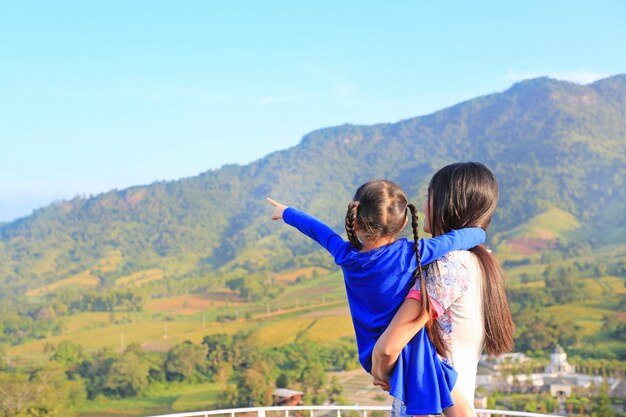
(277, 214)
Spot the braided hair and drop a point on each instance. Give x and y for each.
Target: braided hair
(351, 216)
(432, 327)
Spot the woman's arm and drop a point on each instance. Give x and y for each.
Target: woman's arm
(405, 324)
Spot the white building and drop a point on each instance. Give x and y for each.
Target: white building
(558, 363)
(559, 377)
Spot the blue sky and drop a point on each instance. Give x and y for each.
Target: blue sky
(106, 94)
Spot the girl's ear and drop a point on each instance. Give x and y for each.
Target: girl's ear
(406, 220)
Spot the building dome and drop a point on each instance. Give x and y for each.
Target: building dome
(558, 362)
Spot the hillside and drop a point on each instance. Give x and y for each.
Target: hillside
(175, 295)
(550, 143)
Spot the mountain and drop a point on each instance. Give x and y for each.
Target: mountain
(552, 144)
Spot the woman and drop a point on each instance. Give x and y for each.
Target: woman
(467, 298)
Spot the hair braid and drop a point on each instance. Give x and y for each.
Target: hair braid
(432, 327)
(415, 227)
(351, 214)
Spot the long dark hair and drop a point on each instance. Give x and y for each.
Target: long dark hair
(466, 195)
(379, 208)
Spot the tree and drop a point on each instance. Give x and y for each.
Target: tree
(600, 270)
(563, 285)
(583, 404)
(602, 406)
(219, 348)
(127, 376)
(313, 378)
(95, 371)
(4, 357)
(43, 392)
(134, 348)
(185, 361)
(253, 388)
(223, 374)
(68, 354)
(283, 380)
(335, 391)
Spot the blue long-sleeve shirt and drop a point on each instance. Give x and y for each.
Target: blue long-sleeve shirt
(377, 281)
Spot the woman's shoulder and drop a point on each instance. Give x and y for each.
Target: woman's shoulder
(456, 268)
(460, 259)
(457, 258)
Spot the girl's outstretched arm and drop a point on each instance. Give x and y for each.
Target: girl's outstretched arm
(311, 227)
(463, 239)
(405, 324)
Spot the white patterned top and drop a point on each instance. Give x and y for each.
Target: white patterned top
(454, 285)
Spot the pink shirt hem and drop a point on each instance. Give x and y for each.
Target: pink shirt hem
(417, 295)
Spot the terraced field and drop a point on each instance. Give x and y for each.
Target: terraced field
(158, 399)
(82, 279)
(139, 278)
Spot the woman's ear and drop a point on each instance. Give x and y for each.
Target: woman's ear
(406, 220)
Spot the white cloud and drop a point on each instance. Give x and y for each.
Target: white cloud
(579, 77)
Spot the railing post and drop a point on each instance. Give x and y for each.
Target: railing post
(338, 413)
(364, 413)
(260, 413)
(311, 413)
(286, 413)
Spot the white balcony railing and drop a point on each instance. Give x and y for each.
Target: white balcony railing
(328, 410)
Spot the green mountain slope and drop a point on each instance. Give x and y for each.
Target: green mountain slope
(550, 143)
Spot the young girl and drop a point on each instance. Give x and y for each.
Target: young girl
(378, 273)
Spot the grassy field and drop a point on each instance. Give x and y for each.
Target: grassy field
(87, 278)
(85, 321)
(82, 279)
(158, 399)
(169, 321)
(203, 398)
(141, 277)
(602, 297)
(150, 333)
(190, 304)
(329, 328)
(283, 332)
(537, 235)
(109, 263)
(291, 276)
(551, 224)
